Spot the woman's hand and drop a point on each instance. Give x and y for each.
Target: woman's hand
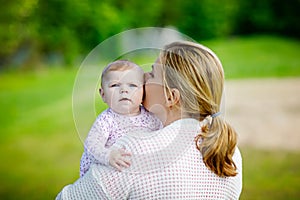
(119, 158)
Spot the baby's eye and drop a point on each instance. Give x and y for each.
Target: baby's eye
(114, 85)
(133, 85)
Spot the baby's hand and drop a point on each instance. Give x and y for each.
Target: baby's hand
(119, 158)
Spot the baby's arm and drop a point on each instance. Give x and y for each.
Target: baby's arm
(94, 145)
(90, 148)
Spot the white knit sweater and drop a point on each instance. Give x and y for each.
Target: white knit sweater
(165, 165)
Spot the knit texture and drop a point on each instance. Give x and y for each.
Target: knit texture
(165, 165)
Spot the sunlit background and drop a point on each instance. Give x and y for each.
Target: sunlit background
(43, 44)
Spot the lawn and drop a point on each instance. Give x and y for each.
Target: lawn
(41, 149)
(270, 174)
(253, 56)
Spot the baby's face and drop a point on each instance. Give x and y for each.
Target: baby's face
(123, 91)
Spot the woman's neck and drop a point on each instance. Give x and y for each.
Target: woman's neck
(174, 115)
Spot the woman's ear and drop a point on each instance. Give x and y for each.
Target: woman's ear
(173, 97)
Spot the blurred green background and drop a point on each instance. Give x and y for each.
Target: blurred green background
(44, 43)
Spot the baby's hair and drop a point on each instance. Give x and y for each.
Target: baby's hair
(119, 65)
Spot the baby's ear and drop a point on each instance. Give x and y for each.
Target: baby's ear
(101, 92)
(173, 97)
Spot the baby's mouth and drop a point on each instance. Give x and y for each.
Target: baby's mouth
(124, 99)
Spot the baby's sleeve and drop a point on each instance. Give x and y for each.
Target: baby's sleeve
(95, 143)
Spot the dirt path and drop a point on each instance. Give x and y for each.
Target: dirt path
(266, 112)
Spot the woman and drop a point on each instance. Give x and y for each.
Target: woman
(194, 156)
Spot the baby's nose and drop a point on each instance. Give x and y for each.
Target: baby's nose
(124, 89)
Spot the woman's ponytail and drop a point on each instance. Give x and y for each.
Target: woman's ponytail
(217, 142)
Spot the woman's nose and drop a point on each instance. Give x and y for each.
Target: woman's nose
(146, 77)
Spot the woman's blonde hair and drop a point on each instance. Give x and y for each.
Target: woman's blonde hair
(198, 75)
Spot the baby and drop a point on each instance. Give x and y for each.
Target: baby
(122, 90)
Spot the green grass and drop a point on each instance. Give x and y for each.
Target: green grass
(258, 57)
(38, 140)
(40, 147)
(270, 174)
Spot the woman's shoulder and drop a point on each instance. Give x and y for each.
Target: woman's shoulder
(237, 157)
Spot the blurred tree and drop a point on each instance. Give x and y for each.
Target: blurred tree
(102, 20)
(268, 16)
(56, 32)
(208, 18)
(140, 13)
(17, 27)
(170, 15)
(287, 17)
(57, 36)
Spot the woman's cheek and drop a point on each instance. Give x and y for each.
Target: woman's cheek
(149, 96)
(154, 98)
